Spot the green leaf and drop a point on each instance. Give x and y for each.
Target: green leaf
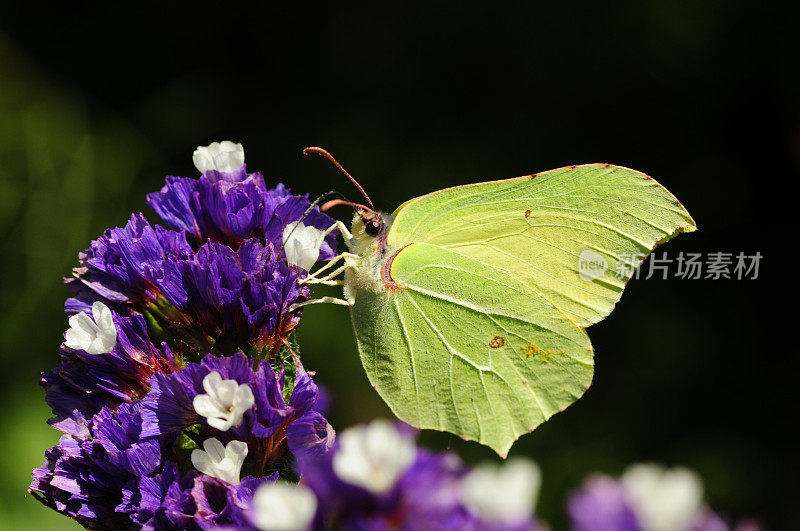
(188, 441)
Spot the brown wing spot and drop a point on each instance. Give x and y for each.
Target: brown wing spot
(528, 213)
(497, 342)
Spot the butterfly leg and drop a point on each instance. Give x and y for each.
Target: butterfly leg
(314, 278)
(346, 235)
(326, 282)
(321, 300)
(331, 276)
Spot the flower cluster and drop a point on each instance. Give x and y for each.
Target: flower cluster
(375, 477)
(183, 404)
(177, 394)
(217, 279)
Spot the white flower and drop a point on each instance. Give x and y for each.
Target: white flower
(663, 500)
(94, 337)
(503, 495)
(225, 402)
(373, 456)
(302, 244)
(221, 462)
(283, 507)
(220, 156)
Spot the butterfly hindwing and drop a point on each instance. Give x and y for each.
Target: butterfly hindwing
(465, 348)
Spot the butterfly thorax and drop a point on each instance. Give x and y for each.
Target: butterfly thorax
(367, 270)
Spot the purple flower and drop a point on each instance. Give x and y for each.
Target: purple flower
(645, 497)
(230, 207)
(217, 296)
(169, 408)
(88, 382)
(310, 436)
(240, 298)
(170, 500)
(376, 478)
(235, 291)
(163, 501)
(268, 426)
(600, 505)
(122, 266)
(221, 503)
(83, 476)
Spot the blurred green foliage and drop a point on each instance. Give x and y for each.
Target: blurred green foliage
(54, 194)
(98, 104)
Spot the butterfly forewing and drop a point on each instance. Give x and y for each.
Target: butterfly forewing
(543, 229)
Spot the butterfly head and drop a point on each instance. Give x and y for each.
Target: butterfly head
(372, 222)
(369, 230)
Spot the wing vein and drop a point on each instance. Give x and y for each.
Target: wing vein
(450, 363)
(407, 338)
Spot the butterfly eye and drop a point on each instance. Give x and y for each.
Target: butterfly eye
(373, 228)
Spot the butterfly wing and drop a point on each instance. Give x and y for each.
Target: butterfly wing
(466, 348)
(538, 228)
(484, 336)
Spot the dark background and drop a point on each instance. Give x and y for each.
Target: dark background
(98, 103)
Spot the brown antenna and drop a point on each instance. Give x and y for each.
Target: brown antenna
(320, 151)
(334, 202)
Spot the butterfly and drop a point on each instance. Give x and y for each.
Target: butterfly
(470, 304)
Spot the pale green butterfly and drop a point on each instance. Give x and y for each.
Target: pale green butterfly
(470, 304)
